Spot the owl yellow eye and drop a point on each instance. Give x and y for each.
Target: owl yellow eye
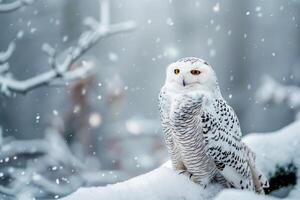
(195, 72)
(176, 71)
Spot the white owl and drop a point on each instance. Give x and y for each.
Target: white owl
(202, 132)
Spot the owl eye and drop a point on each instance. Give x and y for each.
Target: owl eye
(176, 71)
(195, 72)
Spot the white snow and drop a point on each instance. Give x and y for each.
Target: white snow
(159, 184)
(169, 21)
(231, 194)
(216, 7)
(277, 148)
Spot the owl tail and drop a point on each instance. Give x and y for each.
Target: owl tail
(259, 179)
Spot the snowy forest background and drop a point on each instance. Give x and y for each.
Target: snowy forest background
(95, 121)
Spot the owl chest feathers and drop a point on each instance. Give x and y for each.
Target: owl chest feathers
(189, 139)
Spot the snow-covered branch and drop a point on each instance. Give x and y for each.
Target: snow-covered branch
(15, 5)
(275, 152)
(4, 56)
(50, 152)
(272, 91)
(62, 64)
(50, 170)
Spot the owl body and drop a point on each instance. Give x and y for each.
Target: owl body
(202, 131)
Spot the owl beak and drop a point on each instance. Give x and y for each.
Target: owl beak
(183, 83)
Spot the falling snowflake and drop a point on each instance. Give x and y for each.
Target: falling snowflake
(57, 22)
(169, 21)
(95, 120)
(212, 53)
(171, 52)
(216, 7)
(33, 30)
(65, 38)
(76, 109)
(37, 118)
(113, 57)
(209, 41)
(249, 86)
(20, 34)
(55, 112)
(281, 8)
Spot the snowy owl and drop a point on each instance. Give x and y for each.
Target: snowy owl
(202, 132)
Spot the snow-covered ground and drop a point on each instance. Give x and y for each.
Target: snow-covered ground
(279, 148)
(161, 183)
(231, 194)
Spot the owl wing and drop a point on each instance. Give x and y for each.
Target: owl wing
(222, 137)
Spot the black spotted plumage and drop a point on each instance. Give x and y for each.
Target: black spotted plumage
(203, 142)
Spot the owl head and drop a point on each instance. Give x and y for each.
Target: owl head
(190, 74)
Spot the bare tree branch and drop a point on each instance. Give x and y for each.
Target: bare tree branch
(10, 7)
(62, 63)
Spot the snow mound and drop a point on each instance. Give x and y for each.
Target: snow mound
(278, 149)
(275, 149)
(162, 183)
(231, 194)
